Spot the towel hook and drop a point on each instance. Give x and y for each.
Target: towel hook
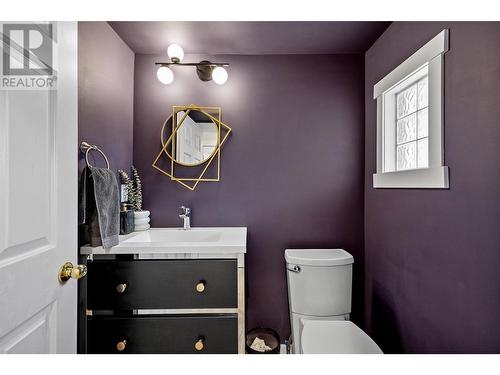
(87, 147)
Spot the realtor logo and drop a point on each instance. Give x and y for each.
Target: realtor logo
(27, 56)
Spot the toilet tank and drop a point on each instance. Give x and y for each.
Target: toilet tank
(319, 281)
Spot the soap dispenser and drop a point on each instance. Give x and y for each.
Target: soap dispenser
(126, 219)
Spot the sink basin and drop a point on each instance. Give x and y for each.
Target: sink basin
(177, 240)
(179, 235)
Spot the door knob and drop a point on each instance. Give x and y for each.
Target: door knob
(69, 271)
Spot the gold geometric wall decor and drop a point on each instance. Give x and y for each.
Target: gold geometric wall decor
(170, 147)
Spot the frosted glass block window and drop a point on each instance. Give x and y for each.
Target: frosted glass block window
(423, 120)
(410, 151)
(412, 126)
(407, 129)
(423, 93)
(423, 153)
(407, 101)
(406, 156)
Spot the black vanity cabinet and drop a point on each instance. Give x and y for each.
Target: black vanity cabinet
(163, 305)
(162, 284)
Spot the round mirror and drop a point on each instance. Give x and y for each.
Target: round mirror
(195, 140)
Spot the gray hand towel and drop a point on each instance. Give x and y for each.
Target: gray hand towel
(100, 206)
(83, 197)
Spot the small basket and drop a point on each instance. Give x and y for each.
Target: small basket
(270, 337)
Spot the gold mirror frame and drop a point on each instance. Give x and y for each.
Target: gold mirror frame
(174, 125)
(192, 183)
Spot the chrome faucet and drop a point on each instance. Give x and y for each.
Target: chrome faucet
(186, 215)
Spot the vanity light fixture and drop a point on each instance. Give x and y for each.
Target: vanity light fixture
(219, 75)
(165, 75)
(206, 70)
(175, 52)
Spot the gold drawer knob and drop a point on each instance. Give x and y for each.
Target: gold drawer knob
(120, 288)
(199, 345)
(200, 287)
(121, 345)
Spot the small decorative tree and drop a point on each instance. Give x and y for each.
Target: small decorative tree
(134, 190)
(137, 189)
(134, 187)
(125, 179)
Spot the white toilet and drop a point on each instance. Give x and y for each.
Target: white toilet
(319, 294)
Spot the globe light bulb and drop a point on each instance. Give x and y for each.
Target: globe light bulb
(219, 75)
(175, 52)
(165, 75)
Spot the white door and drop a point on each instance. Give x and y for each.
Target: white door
(38, 198)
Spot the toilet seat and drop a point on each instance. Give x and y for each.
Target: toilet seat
(335, 337)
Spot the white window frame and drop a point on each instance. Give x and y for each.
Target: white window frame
(436, 175)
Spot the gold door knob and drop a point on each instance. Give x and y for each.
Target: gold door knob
(69, 271)
(120, 288)
(121, 345)
(200, 287)
(199, 345)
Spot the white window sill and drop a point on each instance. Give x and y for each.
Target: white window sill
(426, 178)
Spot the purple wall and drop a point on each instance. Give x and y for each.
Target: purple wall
(292, 171)
(433, 256)
(105, 93)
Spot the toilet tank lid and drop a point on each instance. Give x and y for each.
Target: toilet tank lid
(318, 257)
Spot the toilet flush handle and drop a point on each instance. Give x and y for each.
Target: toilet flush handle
(293, 267)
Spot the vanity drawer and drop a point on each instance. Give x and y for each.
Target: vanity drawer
(161, 284)
(162, 334)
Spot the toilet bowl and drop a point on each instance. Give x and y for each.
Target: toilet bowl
(319, 295)
(335, 337)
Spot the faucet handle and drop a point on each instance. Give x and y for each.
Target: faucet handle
(185, 210)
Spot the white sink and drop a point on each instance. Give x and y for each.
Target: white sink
(178, 240)
(167, 235)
